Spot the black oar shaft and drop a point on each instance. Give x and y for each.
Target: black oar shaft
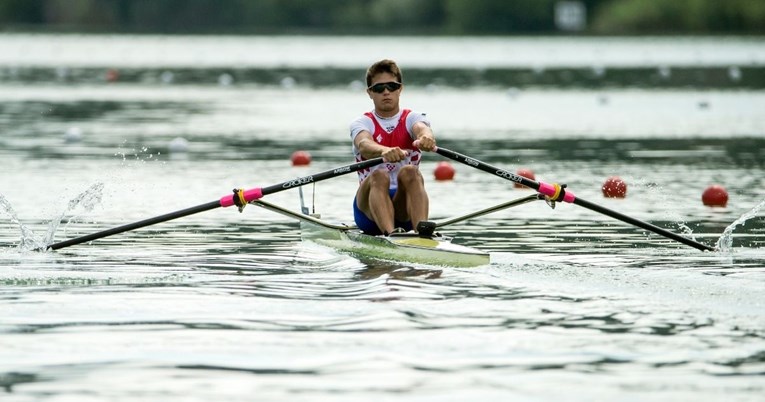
(225, 201)
(487, 168)
(301, 181)
(642, 224)
(569, 197)
(137, 225)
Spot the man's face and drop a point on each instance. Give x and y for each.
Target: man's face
(386, 102)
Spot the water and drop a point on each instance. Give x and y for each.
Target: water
(575, 305)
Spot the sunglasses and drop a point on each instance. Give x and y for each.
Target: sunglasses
(390, 86)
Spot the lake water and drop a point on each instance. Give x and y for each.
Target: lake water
(222, 305)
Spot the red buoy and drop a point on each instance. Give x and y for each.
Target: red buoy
(444, 171)
(112, 75)
(614, 187)
(301, 158)
(715, 196)
(527, 173)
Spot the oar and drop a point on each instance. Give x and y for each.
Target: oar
(240, 198)
(558, 193)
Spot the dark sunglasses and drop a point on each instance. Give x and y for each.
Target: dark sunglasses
(391, 86)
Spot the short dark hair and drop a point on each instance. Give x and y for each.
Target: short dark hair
(384, 66)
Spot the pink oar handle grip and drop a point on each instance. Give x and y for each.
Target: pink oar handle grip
(249, 195)
(549, 190)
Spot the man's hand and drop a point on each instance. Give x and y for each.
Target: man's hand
(425, 139)
(426, 142)
(393, 155)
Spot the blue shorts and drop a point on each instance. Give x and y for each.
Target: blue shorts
(369, 226)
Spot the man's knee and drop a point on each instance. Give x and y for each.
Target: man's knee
(409, 175)
(379, 178)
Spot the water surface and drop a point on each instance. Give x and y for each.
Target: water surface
(574, 306)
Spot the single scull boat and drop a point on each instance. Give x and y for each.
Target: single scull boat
(436, 249)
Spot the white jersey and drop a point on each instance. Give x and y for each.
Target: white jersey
(386, 131)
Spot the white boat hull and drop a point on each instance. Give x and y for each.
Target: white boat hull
(409, 247)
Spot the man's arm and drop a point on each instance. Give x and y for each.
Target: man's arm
(424, 135)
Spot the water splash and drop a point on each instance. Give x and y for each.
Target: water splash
(84, 203)
(725, 242)
(87, 200)
(657, 192)
(28, 239)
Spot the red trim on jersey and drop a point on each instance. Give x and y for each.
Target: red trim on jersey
(399, 137)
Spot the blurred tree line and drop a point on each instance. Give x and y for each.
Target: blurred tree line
(434, 17)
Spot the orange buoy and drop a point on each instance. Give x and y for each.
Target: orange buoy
(300, 158)
(715, 196)
(444, 171)
(614, 187)
(527, 173)
(112, 75)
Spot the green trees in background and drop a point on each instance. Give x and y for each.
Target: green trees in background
(680, 16)
(380, 16)
(489, 16)
(21, 11)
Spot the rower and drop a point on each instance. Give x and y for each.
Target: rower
(391, 195)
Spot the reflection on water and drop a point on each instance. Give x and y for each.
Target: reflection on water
(227, 305)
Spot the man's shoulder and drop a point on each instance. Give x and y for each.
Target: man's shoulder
(412, 112)
(361, 123)
(363, 119)
(415, 116)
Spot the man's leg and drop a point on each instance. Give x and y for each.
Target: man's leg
(374, 200)
(411, 201)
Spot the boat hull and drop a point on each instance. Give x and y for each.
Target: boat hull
(408, 247)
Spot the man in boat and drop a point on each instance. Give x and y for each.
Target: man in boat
(391, 196)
